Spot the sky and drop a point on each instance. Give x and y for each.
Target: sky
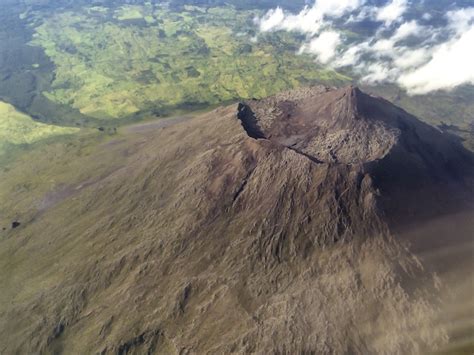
(421, 55)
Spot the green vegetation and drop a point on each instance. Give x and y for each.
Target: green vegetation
(18, 129)
(136, 60)
(26, 71)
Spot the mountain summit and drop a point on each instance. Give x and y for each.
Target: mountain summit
(331, 126)
(272, 226)
(348, 127)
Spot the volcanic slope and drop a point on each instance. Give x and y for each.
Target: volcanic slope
(265, 227)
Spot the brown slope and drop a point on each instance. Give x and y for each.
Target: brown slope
(213, 241)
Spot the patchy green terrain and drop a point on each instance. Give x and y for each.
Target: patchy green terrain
(121, 63)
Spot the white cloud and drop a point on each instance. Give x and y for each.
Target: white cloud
(324, 46)
(411, 58)
(352, 55)
(407, 29)
(272, 20)
(441, 59)
(377, 73)
(337, 8)
(310, 19)
(383, 47)
(461, 20)
(361, 14)
(307, 21)
(392, 12)
(427, 16)
(451, 65)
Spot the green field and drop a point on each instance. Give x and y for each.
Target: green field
(127, 62)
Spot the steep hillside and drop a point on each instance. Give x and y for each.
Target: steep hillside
(270, 226)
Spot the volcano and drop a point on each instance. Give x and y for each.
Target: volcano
(271, 226)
